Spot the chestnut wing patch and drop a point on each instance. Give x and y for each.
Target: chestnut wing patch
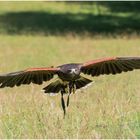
(33, 75)
(113, 65)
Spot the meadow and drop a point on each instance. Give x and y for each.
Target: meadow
(110, 108)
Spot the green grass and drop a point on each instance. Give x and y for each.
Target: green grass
(107, 109)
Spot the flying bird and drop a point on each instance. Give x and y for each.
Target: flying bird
(69, 75)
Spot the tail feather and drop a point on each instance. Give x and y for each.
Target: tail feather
(58, 86)
(82, 82)
(54, 87)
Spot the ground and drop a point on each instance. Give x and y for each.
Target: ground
(107, 109)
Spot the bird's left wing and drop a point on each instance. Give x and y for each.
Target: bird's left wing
(31, 75)
(112, 65)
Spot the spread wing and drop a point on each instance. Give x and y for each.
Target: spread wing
(111, 65)
(31, 75)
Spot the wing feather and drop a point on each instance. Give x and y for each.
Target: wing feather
(33, 75)
(112, 65)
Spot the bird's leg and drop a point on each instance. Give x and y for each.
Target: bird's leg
(63, 102)
(70, 90)
(68, 99)
(67, 88)
(74, 88)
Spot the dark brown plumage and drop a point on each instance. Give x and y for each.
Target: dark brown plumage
(69, 74)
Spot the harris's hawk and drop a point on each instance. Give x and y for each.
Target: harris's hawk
(69, 75)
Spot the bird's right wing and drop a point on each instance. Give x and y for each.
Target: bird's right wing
(112, 65)
(31, 75)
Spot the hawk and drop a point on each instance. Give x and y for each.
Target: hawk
(69, 75)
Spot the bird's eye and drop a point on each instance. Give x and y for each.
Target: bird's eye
(69, 71)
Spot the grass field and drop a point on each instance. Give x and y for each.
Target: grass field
(107, 109)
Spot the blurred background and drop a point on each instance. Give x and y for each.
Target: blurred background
(94, 18)
(44, 34)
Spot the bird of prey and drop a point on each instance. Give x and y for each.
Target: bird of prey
(69, 78)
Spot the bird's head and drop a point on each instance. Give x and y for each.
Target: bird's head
(70, 69)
